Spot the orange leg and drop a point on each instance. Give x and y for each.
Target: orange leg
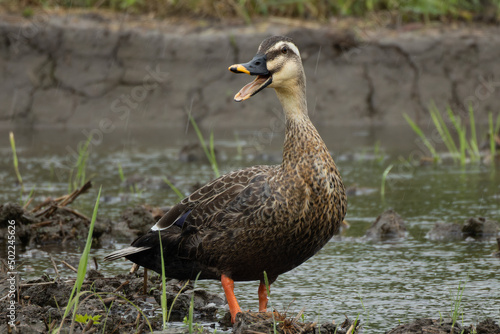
(228, 286)
(262, 297)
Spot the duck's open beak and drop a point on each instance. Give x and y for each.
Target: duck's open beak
(256, 66)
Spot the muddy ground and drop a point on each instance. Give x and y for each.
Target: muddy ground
(115, 301)
(129, 303)
(41, 304)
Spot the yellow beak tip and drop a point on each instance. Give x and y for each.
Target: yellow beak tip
(238, 68)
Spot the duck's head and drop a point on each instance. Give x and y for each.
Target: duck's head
(277, 64)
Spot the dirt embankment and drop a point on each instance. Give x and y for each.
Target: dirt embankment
(104, 71)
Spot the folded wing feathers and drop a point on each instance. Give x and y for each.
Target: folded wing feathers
(124, 252)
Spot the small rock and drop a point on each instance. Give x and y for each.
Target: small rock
(445, 231)
(389, 225)
(138, 219)
(94, 274)
(474, 229)
(480, 228)
(428, 326)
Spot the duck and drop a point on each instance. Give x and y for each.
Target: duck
(255, 223)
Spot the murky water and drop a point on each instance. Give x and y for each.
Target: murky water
(384, 282)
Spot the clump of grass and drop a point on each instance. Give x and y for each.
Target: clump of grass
(189, 320)
(78, 178)
(462, 149)
(424, 139)
(208, 149)
(415, 10)
(456, 307)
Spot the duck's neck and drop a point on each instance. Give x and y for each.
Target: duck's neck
(293, 100)
(302, 141)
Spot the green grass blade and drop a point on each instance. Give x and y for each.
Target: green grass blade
(81, 164)
(30, 195)
(384, 177)
(16, 163)
(474, 151)
(175, 299)
(82, 266)
(443, 131)
(266, 282)
(120, 172)
(492, 137)
(210, 156)
(191, 306)
(163, 285)
(213, 158)
(424, 139)
(174, 188)
(461, 131)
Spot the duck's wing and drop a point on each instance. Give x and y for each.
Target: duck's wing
(212, 198)
(204, 208)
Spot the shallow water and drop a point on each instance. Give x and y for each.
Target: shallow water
(384, 282)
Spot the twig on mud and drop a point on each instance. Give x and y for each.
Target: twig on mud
(69, 266)
(88, 326)
(60, 202)
(68, 199)
(108, 301)
(54, 265)
(51, 325)
(41, 224)
(76, 213)
(28, 203)
(121, 286)
(27, 285)
(141, 327)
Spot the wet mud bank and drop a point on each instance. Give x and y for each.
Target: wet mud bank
(104, 71)
(131, 304)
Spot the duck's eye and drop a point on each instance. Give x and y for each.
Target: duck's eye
(284, 49)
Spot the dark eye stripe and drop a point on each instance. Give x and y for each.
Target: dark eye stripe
(273, 54)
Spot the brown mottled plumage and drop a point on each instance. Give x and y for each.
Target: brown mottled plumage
(262, 218)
